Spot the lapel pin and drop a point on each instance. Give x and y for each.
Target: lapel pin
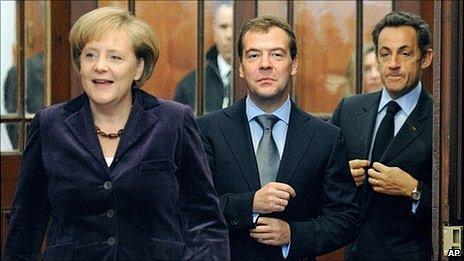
(413, 129)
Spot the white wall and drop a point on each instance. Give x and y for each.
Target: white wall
(7, 36)
(7, 39)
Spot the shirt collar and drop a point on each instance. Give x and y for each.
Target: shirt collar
(283, 113)
(407, 102)
(224, 67)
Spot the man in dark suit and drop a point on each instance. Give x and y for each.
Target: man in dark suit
(218, 65)
(34, 92)
(395, 197)
(295, 198)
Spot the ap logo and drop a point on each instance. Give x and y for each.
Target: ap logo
(454, 252)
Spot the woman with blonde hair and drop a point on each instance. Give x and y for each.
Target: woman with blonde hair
(120, 174)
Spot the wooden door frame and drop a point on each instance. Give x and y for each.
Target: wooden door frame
(447, 123)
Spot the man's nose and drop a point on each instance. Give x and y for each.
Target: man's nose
(266, 63)
(229, 32)
(394, 62)
(375, 72)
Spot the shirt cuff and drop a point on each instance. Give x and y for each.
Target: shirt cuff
(255, 217)
(415, 204)
(285, 250)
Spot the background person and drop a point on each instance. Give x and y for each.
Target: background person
(34, 92)
(371, 77)
(371, 74)
(218, 76)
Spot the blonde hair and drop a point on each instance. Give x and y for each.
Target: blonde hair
(351, 68)
(92, 25)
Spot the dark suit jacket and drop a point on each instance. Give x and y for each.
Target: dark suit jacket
(214, 88)
(156, 200)
(322, 217)
(389, 230)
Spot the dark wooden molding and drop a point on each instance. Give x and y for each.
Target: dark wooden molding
(243, 11)
(20, 71)
(359, 46)
(9, 178)
(408, 6)
(60, 62)
(436, 164)
(77, 9)
(436, 188)
(447, 112)
(200, 84)
(459, 97)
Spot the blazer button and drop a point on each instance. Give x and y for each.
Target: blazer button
(107, 185)
(111, 241)
(110, 213)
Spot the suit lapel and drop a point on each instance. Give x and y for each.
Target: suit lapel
(236, 132)
(80, 124)
(367, 118)
(414, 125)
(139, 122)
(366, 122)
(299, 136)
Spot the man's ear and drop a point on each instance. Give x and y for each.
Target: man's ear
(426, 59)
(294, 66)
(240, 70)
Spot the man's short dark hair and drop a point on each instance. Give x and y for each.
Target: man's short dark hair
(263, 24)
(396, 19)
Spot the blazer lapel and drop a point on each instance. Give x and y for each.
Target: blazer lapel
(139, 122)
(411, 129)
(415, 124)
(80, 124)
(236, 132)
(299, 136)
(366, 122)
(367, 118)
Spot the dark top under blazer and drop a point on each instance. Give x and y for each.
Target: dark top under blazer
(389, 229)
(156, 201)
(322, 217)
(214, 88)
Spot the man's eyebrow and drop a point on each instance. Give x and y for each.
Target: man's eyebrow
(252, 50)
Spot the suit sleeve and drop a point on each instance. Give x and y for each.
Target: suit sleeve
(335, 119)
(185, 90)
(424, 209)
(338, 220)
(237, 207)
(10, 91)
(30, 211)
(207, 231)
